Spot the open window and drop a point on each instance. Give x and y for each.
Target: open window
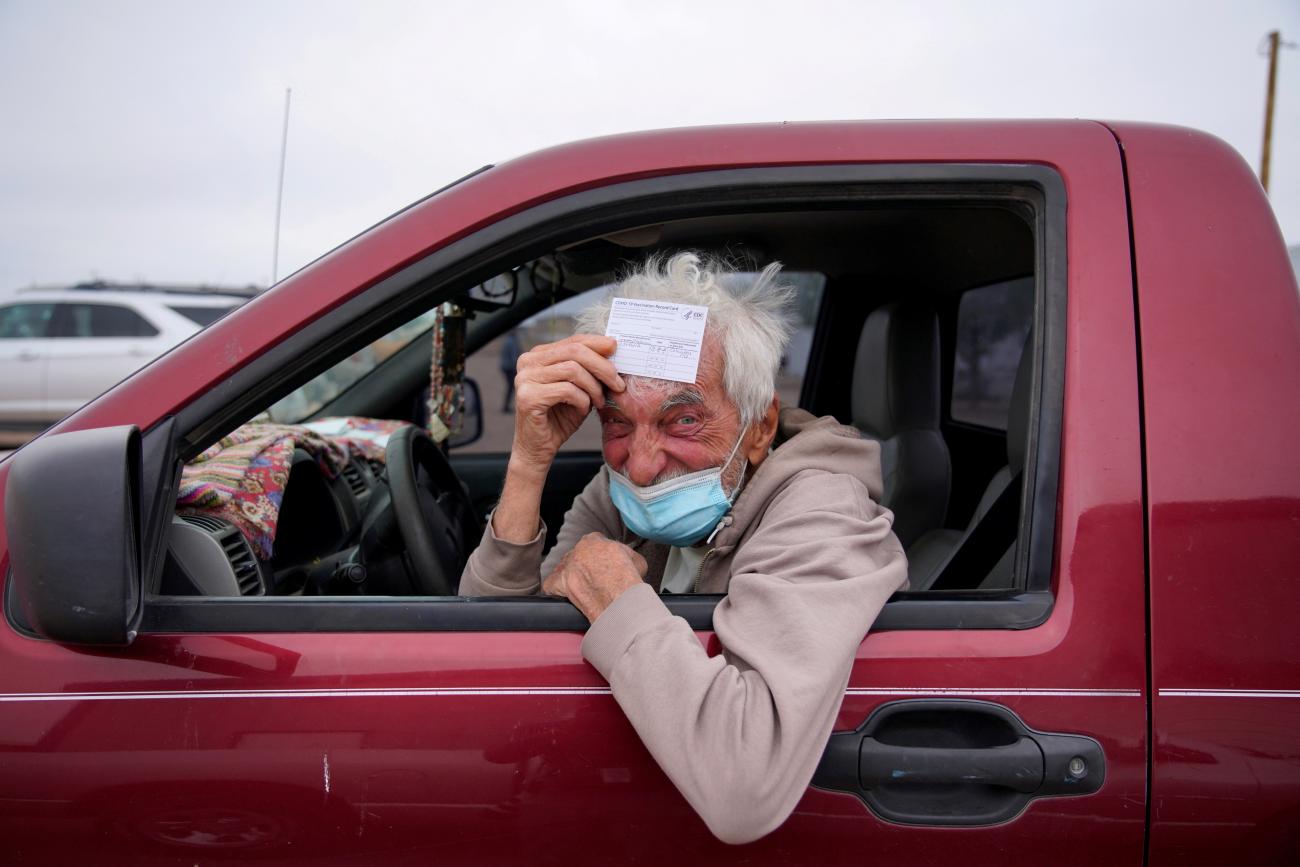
(862, 243)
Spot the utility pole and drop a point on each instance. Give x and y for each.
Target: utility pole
(279, 193)
(1274, 37)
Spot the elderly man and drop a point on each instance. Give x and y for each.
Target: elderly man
(706, 488)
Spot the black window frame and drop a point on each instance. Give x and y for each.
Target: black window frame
(1038, 190)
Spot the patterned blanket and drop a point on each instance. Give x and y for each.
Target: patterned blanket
(242, 477)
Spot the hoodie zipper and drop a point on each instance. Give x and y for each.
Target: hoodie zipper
(695, 587)
(725, 522)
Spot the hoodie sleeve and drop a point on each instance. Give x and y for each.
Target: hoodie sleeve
(740, 734)
(500, 568)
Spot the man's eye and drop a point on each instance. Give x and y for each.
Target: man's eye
(688, 420)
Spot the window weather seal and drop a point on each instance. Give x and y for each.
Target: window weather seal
(271, 614)
(536, 230)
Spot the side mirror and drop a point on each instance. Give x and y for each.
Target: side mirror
(72, 514)
(472, 429)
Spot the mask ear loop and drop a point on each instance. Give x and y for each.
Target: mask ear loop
(731, 498)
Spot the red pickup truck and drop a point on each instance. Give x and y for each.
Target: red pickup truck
(1079, 343)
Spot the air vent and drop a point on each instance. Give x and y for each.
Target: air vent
(356, 481)
(244, 563)
(376, 466)
(215, 526)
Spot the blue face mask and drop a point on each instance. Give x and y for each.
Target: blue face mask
(678, 512)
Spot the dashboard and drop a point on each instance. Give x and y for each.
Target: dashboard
(317, 539)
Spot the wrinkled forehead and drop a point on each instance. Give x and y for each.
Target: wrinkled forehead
(659, 396)
(663, 395)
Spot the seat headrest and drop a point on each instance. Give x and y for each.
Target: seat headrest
(1018, 413)
(896, 374)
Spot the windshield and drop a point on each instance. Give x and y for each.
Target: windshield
(299, 405)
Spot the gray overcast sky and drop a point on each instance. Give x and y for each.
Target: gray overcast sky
(141, 140)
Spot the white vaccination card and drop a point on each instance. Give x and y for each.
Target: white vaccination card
(657, 338)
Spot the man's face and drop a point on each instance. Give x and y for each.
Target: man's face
(659, 429)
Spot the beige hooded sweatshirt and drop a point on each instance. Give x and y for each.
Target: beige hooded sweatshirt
(807, 559)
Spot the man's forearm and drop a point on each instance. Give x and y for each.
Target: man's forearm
(518, 513)
(506, 561)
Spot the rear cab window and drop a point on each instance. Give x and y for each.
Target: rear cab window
(992, 325)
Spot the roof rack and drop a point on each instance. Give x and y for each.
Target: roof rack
(172, 289)
(197, 289)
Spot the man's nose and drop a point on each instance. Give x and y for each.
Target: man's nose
(645, 460)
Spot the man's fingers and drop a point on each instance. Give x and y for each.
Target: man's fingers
(555, 353)
(554, 583)
(599, 342)
(571, 371)
(540, 397)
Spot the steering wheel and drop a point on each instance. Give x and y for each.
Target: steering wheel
(434, 512)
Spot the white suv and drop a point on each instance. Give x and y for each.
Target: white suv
(61, 347)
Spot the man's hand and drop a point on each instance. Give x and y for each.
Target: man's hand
(556, 386)
(595, 573)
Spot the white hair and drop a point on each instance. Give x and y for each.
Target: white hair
(749, 314)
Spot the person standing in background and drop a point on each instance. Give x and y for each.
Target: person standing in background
(509, 367)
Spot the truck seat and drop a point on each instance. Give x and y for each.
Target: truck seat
(896, 401)
(927, 557)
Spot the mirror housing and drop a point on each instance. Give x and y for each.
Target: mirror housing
(73, 519)
(472, 428)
